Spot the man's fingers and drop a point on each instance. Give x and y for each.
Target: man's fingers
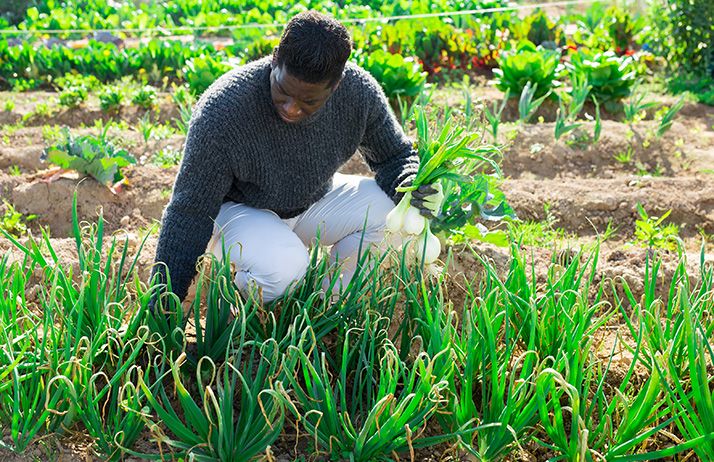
(426, 213)
(424, 191)
(416, 194)
(427, 188)
(424, 209)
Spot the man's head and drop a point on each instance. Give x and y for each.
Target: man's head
(308, 64)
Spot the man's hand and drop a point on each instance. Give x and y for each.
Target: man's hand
(428, 198)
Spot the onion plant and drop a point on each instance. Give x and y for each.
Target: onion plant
(582, 424)
(319, 302)
(528, 104)
(635, 107)
(564, 123)
(556, 318)
(593, 427)
(597, 129)
(32, 354)
(496, 377)
(668, 117)
(84, 347)
(660, 317)
(566, 120)
(676, 327)
(102, 386)
(96, 303)
(238, 414)
(493, 116)
(398, 399)
(216, 292)
(599, 425)
(691, 393)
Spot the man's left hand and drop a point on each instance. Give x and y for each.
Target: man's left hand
(428, 198)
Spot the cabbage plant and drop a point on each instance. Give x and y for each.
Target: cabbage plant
(90, 155)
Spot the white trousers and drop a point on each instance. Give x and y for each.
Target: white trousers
(270, 253)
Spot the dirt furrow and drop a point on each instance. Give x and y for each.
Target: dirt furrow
(585, 206)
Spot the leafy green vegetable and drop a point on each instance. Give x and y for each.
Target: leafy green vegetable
(73, 96)
(612, 78)
(202, 71)
(110, 98)
(651, 232)
(91, 155)
(145, 97)
(400, 77)
(528, 63)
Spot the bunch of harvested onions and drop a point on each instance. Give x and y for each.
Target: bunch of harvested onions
(439, 158)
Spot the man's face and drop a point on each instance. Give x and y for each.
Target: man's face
(294, 99)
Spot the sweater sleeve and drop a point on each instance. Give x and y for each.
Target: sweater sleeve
(203, 180)
(386, 148)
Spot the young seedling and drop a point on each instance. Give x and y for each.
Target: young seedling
(651, 232)
(145, 97)
(666, 122)
(73, 96)
(14, 170)
(146, 128)
(527, 106)
(635, 107)
(598, 122)
(494, 116)
(578, 94)
(624, 157)
(13, 222)
(563, 124)
(111, 98)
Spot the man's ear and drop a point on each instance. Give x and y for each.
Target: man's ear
(274, 63)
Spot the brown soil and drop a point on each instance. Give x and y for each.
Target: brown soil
(535, 154)
(583, 186)
(585, 206)
(86, 114)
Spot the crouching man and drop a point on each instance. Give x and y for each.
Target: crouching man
(259, 168)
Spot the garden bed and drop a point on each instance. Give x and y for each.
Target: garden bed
(575, 186)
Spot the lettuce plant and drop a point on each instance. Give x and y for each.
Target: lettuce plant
(528, 63)
(611, 77)
(400, 77)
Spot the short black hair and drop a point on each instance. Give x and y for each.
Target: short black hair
(314, 48)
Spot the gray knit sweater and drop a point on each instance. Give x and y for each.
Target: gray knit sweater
(238, 149)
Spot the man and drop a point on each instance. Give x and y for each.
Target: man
(258, 178)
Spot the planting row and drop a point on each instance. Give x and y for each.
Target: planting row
(389, 368)
(469, 44)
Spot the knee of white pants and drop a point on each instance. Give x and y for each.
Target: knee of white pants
(275, 273)
(379, 207)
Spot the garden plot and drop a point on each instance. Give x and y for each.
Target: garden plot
(580, 184)
(576, 186)
(572, 190)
